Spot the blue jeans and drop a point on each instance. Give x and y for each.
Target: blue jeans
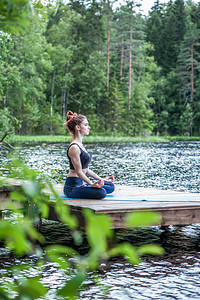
(72, 189)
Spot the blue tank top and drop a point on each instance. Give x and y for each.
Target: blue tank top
(85, 158)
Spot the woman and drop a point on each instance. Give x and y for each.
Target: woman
(77, 184)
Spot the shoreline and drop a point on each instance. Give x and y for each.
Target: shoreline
(17, 139)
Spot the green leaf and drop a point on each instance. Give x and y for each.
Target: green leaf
(142, 218)
(31, 289)
(98, 229)
(62, 209)
(18, 196)
(60, 254)
(71, 287)
(31, 188)
(150, 249)
(15, 234)
(4, 294)
(127, 250)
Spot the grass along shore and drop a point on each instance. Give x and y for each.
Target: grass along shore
(15, 139)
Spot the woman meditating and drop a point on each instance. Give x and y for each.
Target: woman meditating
(77, 184)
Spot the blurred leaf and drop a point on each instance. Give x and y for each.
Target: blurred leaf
(71, 287)
(11, 206)
(18, 196)
(31, 188)
(60, 254)
(16, 233)
(63, 210)
(31, 289)
(17, 269)
(4, 294)
(98, 230)
(142, 218)
(150, 249)
(127, 250)
(78, 237)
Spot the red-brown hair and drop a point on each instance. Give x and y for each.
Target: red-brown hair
(72, 120)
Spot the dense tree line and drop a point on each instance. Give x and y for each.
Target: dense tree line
(130, 74)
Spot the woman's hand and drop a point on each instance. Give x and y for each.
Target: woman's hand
(109, 179)
(98, 184)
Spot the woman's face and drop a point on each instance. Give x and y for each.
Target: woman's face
(84, 127)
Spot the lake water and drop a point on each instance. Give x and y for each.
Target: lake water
(174, 165)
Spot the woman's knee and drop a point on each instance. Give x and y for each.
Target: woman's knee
(109, 187)
(101, 193)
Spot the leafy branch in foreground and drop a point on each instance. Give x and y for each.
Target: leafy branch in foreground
(21, 237)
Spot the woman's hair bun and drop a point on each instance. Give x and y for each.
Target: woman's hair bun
(70, 115)
(72, 120)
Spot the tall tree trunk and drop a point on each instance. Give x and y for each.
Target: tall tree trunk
(122, 60)
(130, 66)
(99, 44)
(192, 73)
(68, 93)
(61, 103)
(52, 95)
(192, 85)
(108, 44)
(64, 104)
(4, 101)
(64, 92)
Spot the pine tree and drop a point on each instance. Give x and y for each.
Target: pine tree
(141, 116)
(189, 65)
(129, 36)
(154, 31)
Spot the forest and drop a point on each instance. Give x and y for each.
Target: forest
(130, 74)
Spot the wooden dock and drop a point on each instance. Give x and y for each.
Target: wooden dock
(174, 207)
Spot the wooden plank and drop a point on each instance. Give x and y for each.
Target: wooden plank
(168, 217)
(115, 206)
(183, 216)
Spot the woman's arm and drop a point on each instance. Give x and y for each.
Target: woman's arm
(93, 175)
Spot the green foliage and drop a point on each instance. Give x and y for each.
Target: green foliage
(8, 123)
(63, 210)
(9, 77)
(97, 233)
(72, 286)
(31, 288)
(60, 254)
(114, 117)
(154, 28)
(21, 237)
(142, 219)
(14, 15)
(15, 233)
(176, 50)
(59, 63)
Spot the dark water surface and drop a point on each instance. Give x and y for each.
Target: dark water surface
(174, 165)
